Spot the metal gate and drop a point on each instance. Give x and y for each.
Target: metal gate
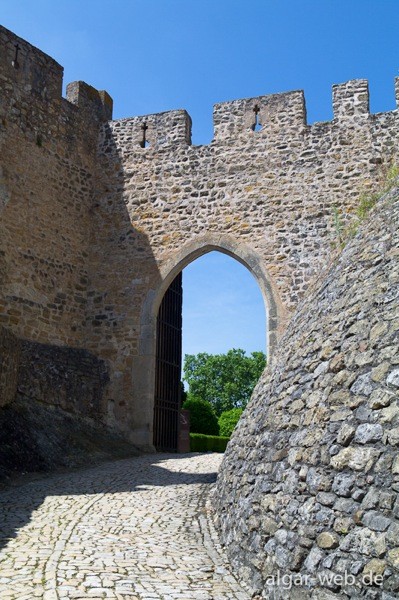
(168, 369)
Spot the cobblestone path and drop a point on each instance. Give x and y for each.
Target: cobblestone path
(135, 529)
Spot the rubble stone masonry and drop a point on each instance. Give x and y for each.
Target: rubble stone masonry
(308, 488)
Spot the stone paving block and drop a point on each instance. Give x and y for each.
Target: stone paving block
(107, 535)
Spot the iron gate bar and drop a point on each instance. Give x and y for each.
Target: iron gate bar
(167, 402)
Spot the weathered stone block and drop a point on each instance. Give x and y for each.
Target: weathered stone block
(358, 459)
(327, 540)
(368, 432)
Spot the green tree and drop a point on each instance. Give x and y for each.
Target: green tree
(202, 416)
(224, 380)
(228, 420)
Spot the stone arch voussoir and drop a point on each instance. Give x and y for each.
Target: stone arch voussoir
(276, 314)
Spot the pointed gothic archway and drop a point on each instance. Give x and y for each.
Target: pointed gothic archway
(169, 270)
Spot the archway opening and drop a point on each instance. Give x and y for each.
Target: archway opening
(223, 308)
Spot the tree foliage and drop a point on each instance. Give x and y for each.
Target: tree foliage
(224, 380)
(202, 416)
(228, 420)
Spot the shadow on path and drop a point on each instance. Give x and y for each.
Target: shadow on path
(128, 475)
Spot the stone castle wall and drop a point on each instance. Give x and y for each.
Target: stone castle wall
(309, 483)
(48, 158)
(48, 149)
(98, 216)
(265, 197)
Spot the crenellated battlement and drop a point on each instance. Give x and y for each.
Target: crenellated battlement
(275, 118)
(32, 98)
(156, 131)
(275, 113)
(91, 101)
(32, 72)
(284, 115)
(351, 99)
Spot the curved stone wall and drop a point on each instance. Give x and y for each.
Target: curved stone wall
(307, 498)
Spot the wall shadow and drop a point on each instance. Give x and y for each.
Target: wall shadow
(17, 503)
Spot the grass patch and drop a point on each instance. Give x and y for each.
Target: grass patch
(367, 201)
(200, 442)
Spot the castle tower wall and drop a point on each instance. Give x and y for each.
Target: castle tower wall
(48, 148)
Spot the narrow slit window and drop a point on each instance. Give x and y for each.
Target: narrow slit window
(257, 126)
(144, 142)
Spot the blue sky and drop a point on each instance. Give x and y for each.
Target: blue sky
(156, 55)
(222, 307)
